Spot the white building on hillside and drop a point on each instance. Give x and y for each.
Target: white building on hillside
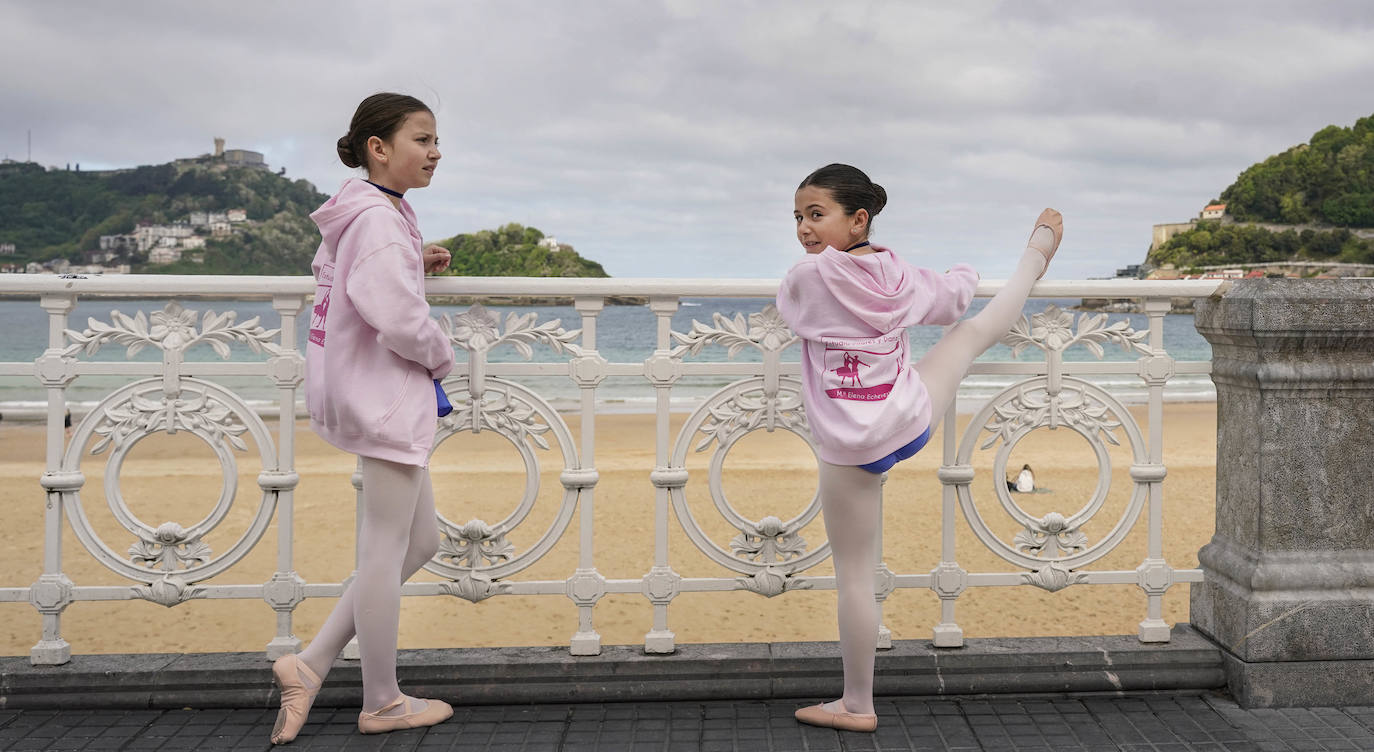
(164, 255)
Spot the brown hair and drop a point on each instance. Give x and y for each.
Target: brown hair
(379, 115)
(850, 188)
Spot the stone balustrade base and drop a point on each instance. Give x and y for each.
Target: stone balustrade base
(1299, 684)
(481, 676)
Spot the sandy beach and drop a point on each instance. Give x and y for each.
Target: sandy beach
(177, 478)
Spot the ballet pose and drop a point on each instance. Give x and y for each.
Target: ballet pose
(848, 294)
(373, 351)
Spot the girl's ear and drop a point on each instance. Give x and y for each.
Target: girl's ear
(377, 148)
(860, 225)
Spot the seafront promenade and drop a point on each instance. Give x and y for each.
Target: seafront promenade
(1151, 723)
(1276, 617)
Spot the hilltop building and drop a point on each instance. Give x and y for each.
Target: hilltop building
(1162, 232)
(231, 157)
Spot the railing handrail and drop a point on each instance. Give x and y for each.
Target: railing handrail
(244, 286)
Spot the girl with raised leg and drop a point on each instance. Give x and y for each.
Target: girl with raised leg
(851, 302)
(372, 356)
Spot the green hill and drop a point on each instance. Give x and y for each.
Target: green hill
(62, 214)
(51, 214)
(1329, 180)
(1325, 188)
(516, 251)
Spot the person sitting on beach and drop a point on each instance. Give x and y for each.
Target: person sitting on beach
(1025, 480)
(370, 359)
(847, 295)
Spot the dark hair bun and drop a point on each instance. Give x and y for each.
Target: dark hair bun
(850, 188)
(346, 154)
(379, 115)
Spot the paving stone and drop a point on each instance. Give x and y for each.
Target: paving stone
(1133, 724)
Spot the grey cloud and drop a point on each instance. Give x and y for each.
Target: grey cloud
(665, 138)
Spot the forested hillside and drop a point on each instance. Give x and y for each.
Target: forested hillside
(1328, 180)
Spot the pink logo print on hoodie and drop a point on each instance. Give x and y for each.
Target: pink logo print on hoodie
(848, 364)
(321, 310)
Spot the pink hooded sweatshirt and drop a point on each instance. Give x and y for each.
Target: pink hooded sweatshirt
(864, 400)
(373, 348)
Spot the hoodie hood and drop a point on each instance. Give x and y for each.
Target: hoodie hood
(874, 287)
(355, 196)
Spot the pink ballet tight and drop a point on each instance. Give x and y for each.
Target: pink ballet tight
(397, 535)
(850, 496)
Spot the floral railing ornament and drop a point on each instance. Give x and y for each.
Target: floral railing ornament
(1052, 330)
(169, 591)
(173, 329)
(474, 544)
(498, 409)
(1051, 537)
(1053, 577)
(1069, 406)
(141, 416)
(170, 548)
(771, 581)
(477, 330)
(765, 330)
(745, 410)
(769, 542)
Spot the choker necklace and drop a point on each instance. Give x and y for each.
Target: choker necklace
(847, 250)
(390, 192)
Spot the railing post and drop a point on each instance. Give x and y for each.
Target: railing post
(53, 592)
(1289, 575)
(587, 586)
(1154, 574)
(661, 585)
(285, 590)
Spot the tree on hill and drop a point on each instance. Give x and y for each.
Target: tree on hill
(1329, 180)
(1216, 244)
(514, 250)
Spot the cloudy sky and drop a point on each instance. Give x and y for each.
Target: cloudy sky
(666, 137)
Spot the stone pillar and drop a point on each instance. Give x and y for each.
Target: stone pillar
(1288, 590)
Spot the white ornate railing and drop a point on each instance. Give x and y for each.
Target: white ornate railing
(170, 563)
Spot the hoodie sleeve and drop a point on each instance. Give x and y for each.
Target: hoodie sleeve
(381, 286)
(949, 294)
(799, 317)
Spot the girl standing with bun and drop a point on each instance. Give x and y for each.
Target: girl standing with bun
(867, 406)
(372, 356)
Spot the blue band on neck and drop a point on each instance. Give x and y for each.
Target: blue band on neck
(847, 250)
(385, 189)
